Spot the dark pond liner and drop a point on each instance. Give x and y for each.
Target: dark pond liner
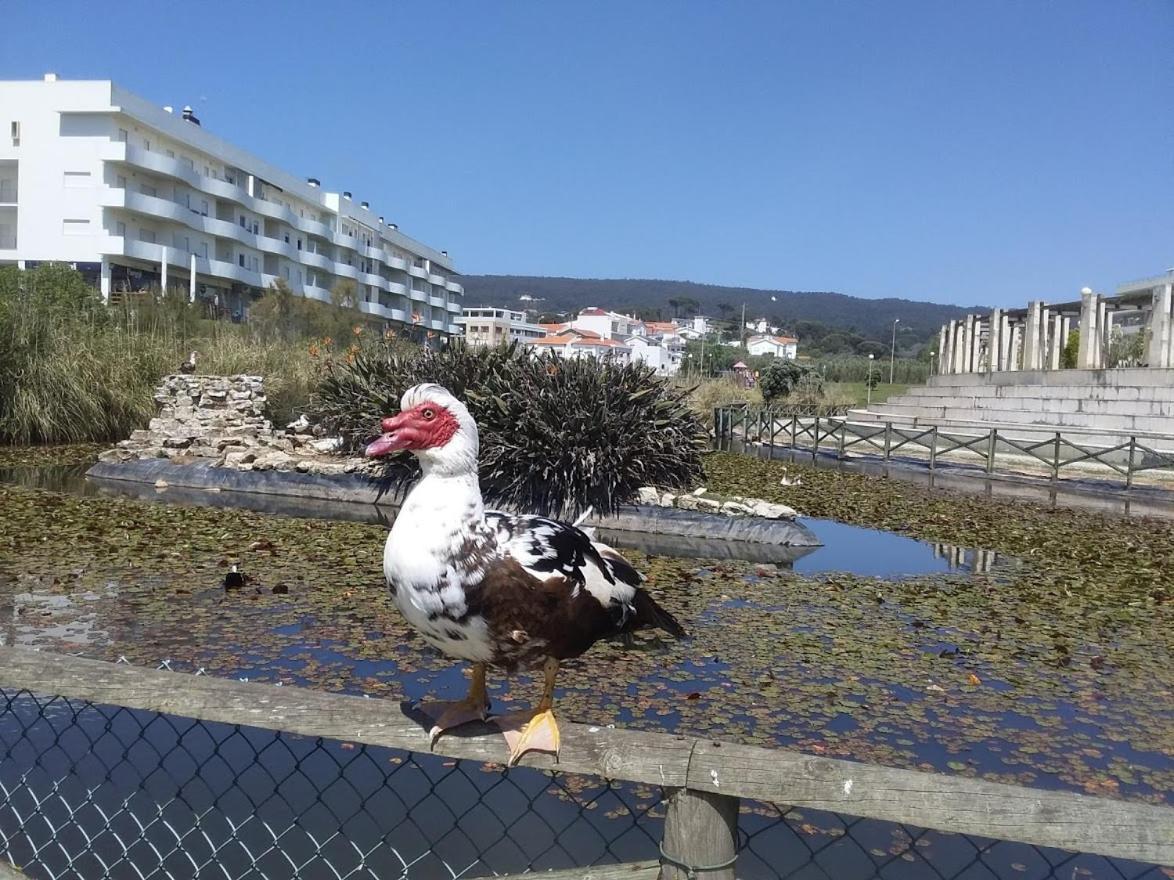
(355, 496)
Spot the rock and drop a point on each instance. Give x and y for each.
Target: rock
(236, 458)
(668, 499)
(688, 502)
(708, 504)
(699, 492)
(736, 508)
(772, 511)
(276, 460)
(647, 495)
(177, 442)
(161, 484)
(326, 445)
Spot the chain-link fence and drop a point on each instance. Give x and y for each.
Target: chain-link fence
(92, 791)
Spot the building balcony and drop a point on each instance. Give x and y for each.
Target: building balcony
(438, 325)
(319, 293)
(376, 281)
(455, 329)
(371, 308)
(453, 287)
(346, 271)
(397, 288)
(398, 315)
(396, 263)
(438, 280)
(418, 295)
(454, 307)
(437, 302)
(418, 272)
(317, 261)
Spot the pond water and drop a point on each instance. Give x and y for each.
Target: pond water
(848, 548)
(875, 647)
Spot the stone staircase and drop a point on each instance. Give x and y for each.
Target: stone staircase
(1121, 401)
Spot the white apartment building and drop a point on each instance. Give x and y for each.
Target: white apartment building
(485, 325)
(136, 195)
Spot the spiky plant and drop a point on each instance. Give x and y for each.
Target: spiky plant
(557, 436)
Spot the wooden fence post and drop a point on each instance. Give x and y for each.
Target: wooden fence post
(1056, 458)
(794, 431)
(717, 428)
(815, 437)
(990, 451)
(888, 438)
(1129, 466)
(700, 836)
(843, 439)
(933, 447)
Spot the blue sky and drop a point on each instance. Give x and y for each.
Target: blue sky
(982, 152)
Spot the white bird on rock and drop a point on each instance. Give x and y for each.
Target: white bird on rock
(495, 589)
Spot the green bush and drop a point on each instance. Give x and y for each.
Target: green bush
(74, 370)
(780, 378)
(557, 436)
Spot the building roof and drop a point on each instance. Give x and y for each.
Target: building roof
(593, 312)
(661, 326)
(554, 328)
(575, 338)
(775, 340)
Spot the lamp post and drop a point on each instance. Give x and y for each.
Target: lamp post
(868, 381)
(893, 350)
(933, 354)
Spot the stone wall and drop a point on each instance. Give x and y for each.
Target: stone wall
(221, 420)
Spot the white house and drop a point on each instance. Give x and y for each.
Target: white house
(485, 325)
(608, 325)
(663, 356)
(584, 343)
(138, 196)
(776, 346)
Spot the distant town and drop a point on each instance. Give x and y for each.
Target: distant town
(602, 334)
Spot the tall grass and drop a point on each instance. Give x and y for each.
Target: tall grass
(73, 370)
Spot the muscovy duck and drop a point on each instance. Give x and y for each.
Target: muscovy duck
(495, 589)
(189, 366)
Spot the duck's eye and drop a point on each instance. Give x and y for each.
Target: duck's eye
(429, 414)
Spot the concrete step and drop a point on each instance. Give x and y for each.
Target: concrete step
(1133, 376)
(1106, 422)
(1162, 409)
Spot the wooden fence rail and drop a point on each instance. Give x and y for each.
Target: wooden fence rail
(1127, 456)
(709, 777)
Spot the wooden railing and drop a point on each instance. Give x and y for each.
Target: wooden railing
(707, 778)
(762, 429)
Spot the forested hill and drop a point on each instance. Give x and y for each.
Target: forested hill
(649, 298)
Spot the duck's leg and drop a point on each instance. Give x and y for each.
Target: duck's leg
(537, 730)
(474, 707)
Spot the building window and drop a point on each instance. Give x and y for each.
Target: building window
(120, 181)
(119, 228)
(171, 154)
(123, 135)
(75, 227)
(299, 244)
(147, 144)
(15, 134)
(204, 207)
(147, 235)
(77, 178)
(244, 223)
(241, 259)
(204, 249)
(147, 190)
(287, 238)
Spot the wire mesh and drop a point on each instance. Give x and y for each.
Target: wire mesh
(92, 791)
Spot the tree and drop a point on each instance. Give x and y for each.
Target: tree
(780, 378)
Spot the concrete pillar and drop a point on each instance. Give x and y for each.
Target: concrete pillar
(1086, 360)
(1045, 332)
(968, 345)
(941, 349)
(956, 346)
(1005, 342)
(250, 184)
(104, 281)
(1031, 336)
(1159, 353)
(1102, 349)
(1015, 359)
(163, 271)
(994, 346)
(192, 281)
(1065, 332)
(1057, 342)
(1106, 334)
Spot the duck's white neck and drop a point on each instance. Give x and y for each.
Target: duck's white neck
(437, 516)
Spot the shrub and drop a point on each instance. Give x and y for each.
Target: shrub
(780, 378)
(557, 436)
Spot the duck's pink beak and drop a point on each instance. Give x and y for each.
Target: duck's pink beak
(393, 438)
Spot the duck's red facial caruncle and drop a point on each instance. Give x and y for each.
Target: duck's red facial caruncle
(425, 426)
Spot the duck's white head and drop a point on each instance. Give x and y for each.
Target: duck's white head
(435, 427)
